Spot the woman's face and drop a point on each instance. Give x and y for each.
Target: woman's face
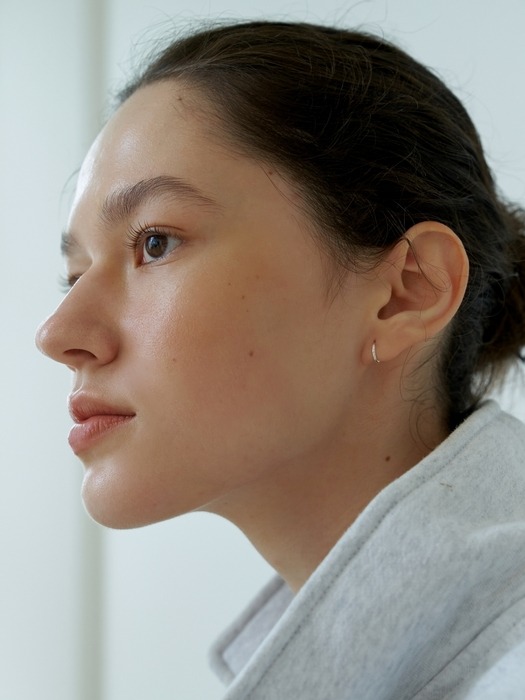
(206, 349)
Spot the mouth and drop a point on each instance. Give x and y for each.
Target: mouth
(94, 420)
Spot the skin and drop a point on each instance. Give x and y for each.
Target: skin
(254, 390)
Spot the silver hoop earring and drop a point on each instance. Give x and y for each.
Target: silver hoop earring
(374, 353)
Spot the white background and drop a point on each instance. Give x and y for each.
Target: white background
(92, 615)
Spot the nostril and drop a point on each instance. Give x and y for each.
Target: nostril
(75, 358)
(75, 354)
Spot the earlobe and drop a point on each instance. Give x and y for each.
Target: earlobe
(425, 275)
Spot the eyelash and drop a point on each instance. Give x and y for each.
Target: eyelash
(65, 282)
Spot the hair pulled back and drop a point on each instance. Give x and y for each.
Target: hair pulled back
(375, 143)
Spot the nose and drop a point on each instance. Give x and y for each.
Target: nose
(80, 331)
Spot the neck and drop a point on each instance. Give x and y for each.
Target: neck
(295, 517)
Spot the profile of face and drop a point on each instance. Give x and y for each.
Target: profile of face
(207, 351)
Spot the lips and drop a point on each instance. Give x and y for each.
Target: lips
(94, 419)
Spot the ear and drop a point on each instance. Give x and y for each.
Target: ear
(423, 281)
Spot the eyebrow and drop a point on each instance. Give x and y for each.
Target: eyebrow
(123, 202)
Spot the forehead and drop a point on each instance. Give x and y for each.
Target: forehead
(153, 132)
(163, 140)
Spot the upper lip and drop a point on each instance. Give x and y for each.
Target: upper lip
(83, 406)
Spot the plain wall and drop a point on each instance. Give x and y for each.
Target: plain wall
(88, 614)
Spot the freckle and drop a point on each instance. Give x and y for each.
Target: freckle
(387, 458)
(250, 353)
(243, 296)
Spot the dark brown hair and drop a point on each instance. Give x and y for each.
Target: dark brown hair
(375, 143)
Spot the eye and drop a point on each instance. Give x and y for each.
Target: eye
(151, 244)
(157, 246)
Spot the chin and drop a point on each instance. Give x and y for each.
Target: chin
(112, 517)
(115, 510)
(114, 506)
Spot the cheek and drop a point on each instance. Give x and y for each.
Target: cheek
(226, 350)
(221, 354)
(202, 338)
(230, 371)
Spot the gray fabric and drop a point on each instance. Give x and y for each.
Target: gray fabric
(423, 597)
(238, 644)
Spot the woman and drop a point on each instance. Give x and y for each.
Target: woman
(291, 283)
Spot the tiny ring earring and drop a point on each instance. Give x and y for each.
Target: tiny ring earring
(374, 353)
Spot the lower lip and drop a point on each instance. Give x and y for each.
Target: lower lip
(84, 435)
